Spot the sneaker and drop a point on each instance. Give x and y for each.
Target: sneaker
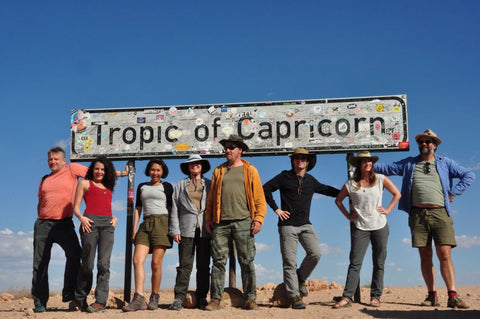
(456, 302)
(176, 304)
(153, 302)
(214, 304)
(430, 301)
(302, 287)
(39, 308)
(95, 307)
(138, 303)
(250, 304)
(297, 302)
(77, 305)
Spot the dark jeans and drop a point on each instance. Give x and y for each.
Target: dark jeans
(47, 232)
(240, 232)
(186, 253)
(359, 244)
(102, 236)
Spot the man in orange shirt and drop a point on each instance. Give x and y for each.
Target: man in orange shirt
(54, 225)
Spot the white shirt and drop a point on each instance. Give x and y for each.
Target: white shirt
(365, 201)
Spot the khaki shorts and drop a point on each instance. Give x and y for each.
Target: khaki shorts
(431, 223)
(153, 231)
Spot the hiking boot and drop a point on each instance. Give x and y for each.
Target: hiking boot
(302, 287)
(153, 302)
(95, 307)
(39, 308)
(297, 302)
(202, 303)
(250, 304)
(430, 301)
(176, 304)
(456, 302)
(214, 304)
(138, 303)
(77, 305)
(68, 297)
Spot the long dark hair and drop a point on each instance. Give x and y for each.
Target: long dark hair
(357, 176)
(110, 176)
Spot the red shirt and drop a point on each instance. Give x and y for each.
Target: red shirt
(98, 201)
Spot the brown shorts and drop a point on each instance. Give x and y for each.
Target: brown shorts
(153, 231)
(431, 223)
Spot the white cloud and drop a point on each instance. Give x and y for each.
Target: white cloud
(63, 144)
(475, 167)
(391, 264)
(398, 269)
(326, 250)
(465, 241)
(406, 241)
(119, 205)
(264, 275)
(18, 244)
(262, 247)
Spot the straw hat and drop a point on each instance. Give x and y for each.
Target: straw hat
(312, 158)
(192, 159)
(430, 134)
(355, 161)
(236, 140)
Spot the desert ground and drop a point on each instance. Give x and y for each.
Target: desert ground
(397, 302)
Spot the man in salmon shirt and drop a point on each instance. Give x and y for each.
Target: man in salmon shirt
(54, 225)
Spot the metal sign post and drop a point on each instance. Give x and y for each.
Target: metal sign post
(350, 170)
(128, 241)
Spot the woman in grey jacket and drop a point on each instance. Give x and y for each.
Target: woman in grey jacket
(187, 228)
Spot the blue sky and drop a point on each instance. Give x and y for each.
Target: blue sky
(56, 56)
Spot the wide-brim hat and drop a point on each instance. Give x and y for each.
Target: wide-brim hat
(430, 134)
(192, 159)
(355, 160)
(235, 139)
(312, 158)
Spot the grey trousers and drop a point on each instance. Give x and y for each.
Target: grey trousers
(102, 236)
(360, 239)
(47, 232)
(290, 236)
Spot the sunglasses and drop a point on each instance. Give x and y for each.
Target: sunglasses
(231, 147)
(425, 141)
(301, 158)
(426, 168)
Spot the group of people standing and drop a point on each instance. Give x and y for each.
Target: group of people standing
(203, 215)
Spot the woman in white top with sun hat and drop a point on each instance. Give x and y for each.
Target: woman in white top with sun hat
(368, 224)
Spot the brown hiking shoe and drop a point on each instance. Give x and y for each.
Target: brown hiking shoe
(250, 304)
(214, 304)
(297, 302)
(430, 301)
(456, 302)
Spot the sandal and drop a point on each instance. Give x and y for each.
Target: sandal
(374, 302)
(343, 303)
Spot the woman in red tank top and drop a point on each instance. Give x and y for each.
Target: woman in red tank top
(96, 231)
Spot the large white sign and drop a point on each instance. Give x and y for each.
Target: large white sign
(377, 123)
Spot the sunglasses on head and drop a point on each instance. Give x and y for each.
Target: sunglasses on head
(231, 147)
(420, 142)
